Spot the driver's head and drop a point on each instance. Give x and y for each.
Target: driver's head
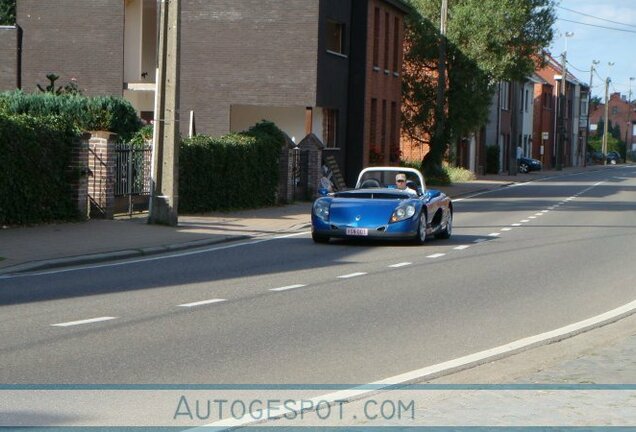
(400, 180)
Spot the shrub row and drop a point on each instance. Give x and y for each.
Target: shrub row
(86, 113)
(236, 171)
(35, 182)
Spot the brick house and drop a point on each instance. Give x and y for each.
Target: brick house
(620, 113)
(327, 67)
(575, 114)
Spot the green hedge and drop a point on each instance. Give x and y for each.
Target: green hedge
(35, 153)
(236, 171)
(86, 113)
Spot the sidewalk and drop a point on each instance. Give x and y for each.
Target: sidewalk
(58, 245)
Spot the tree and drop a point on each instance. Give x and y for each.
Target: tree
(489, 41)
(7, 12)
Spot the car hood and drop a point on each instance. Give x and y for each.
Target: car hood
(361, 212)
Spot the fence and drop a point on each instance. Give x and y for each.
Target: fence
(132, 175)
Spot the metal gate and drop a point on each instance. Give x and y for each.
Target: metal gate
(132, 172)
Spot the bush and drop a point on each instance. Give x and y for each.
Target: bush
(236, 171)
(450, 174)
(35, 180)
(492, 159)
(85, 113)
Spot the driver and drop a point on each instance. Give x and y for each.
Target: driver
(400, 183)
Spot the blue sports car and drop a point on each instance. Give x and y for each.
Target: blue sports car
(381, 208)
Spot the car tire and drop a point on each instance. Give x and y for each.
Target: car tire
(448, 230)
(524, 168)
(318, 238)
(420, 236)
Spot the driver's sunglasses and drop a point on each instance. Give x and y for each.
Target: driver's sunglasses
(401, 181)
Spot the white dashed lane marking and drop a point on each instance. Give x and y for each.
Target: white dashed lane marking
(202, 303)
(462, 247)
(402, 264)
(351, 275)
(81, 322)
(287, 288)
(437, 255)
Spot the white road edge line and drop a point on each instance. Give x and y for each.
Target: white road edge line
(202, 302)
(441, 369)
(86, 321)
(351, 275)
(289, 287)
(402, 264)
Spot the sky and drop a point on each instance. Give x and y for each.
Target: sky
(604, 30)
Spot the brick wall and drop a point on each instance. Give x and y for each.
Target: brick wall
(80, 39)
(384, 79)
(79, 168)
(8, 54)
(252, 52)
(101, 180)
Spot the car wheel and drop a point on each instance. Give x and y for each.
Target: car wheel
(524, 168)
(448, 230)
(318, 238)
(420, 237)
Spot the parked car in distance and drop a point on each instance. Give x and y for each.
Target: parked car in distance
(527, 164)
(613, 157)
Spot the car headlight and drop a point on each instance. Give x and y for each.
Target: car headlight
(321, 209)
(403, 212)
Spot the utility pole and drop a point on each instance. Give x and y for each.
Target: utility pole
(629, 133)
(562, 107)
(440, 112)
(589, 110)
(604, 145)
(165, 162)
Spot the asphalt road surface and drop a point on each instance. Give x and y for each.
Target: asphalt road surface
(522, 260)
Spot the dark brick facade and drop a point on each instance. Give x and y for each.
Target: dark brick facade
(9, 56)
(252, 52)
(73, 39)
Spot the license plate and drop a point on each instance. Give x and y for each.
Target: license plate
(357, 231)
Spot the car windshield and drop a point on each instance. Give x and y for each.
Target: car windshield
(373, 195)
(385, 179)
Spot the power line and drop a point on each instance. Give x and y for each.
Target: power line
(595, 17)
(599, 26)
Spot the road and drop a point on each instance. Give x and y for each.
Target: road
(522, 260)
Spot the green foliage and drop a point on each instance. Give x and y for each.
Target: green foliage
(492, 159)
(450, 174)
(488, 41)
(85, 113)
(7, 12)
(142, 136)
(595, 143)
(236, 171)
(35, 180)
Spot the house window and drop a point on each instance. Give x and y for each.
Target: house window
(527, 100)
(614, 110)
(373, 122)
(386, 41)
(396, 43)
(504, 95)
(584, 106)
(330, 127)
(395, 142)
(335, 37)
(383, 126)
(376, 38)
